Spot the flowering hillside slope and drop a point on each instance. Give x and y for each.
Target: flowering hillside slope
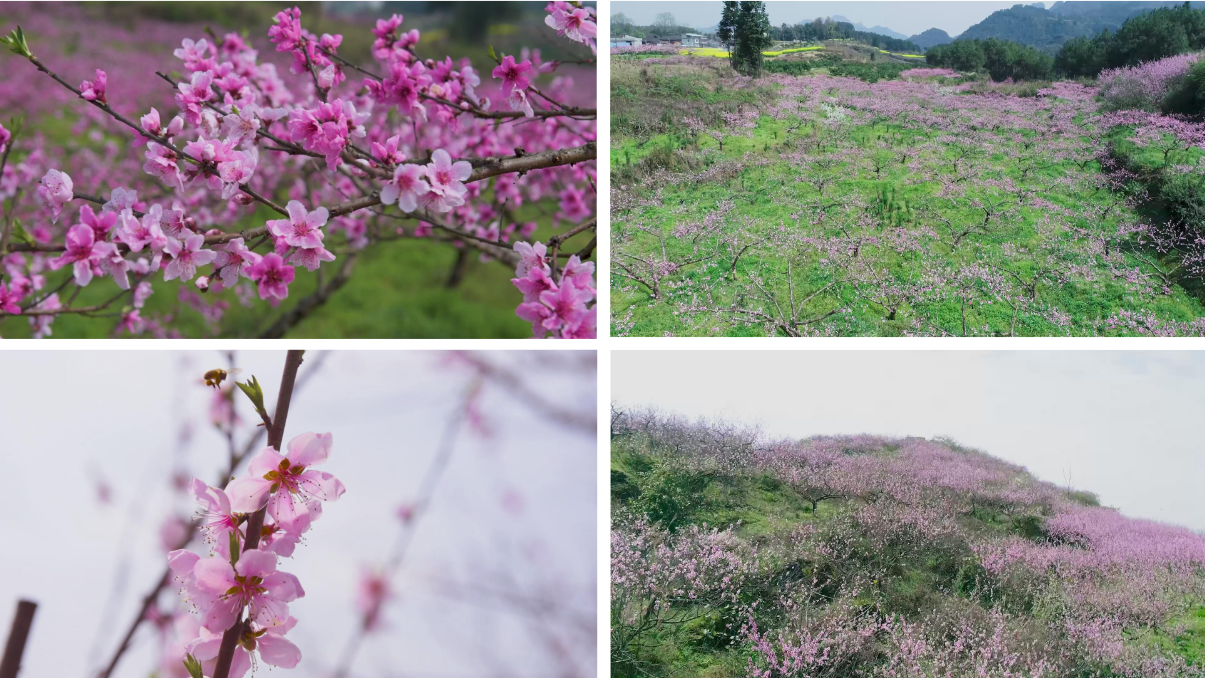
(733, 555)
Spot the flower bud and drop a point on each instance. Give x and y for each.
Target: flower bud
(202, 283)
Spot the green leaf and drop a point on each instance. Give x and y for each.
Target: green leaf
(492, 54)
(15, 41)
(254, 392)
(193, 666)
(21, 234)
(234, 548)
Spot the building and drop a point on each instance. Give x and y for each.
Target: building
(693, 40)
(626, 41)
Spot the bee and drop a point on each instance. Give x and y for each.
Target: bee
(215, 378)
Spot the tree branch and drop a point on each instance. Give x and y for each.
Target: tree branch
(256, 521)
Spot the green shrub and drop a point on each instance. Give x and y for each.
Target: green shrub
(670, 496)
(1030, 527)
(1189, 97)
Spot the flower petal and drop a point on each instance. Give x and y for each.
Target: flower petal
(214, 575)
(278, 651)
(268, 459)
(284, 586)
(308, 449)
(256, 563)
(248, 494)
(321, 485)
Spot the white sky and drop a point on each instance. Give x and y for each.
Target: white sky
(68, 417)
(1126, 425)
(904, 16)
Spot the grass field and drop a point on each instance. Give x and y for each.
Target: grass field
(821, 205)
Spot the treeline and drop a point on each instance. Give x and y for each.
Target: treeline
(642, 32)
(1150, 36)
(827, 29)
(1164, 32)
(1000, 59)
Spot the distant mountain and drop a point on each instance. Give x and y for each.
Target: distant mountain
(709, 30)
(881, 30)
(1048, 29)
(1113, 12)
(931, 38)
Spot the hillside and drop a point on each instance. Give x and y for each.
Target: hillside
(931, 38)
(1033, 26)
(734, 555)
(1050, 28)
(881, 30)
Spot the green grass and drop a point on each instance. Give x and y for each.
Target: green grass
(1184, 635)
(766, 189)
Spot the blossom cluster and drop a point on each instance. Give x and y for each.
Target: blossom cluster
(240, 573)
(1145, 86)
(560, 307)
(409, 137)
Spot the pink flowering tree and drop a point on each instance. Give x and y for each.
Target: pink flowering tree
(250, 174)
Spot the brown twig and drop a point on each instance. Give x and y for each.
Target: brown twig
(10, 665)
(426, 491)
(554, 243)
(477, 111)
(162, 140)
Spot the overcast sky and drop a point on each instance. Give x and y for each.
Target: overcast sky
(906, 17)
(1126, 425)
(521, 502)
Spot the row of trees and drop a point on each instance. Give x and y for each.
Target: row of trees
(826, 29)
(1000, 59)
(1147, 37)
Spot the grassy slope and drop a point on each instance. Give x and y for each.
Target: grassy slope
(766, 190)
(763, 505)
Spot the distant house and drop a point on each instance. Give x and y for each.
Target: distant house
(693, 40)
(626, 41)
(671, 40)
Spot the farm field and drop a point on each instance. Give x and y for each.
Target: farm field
(737, 555)
(804, 203)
